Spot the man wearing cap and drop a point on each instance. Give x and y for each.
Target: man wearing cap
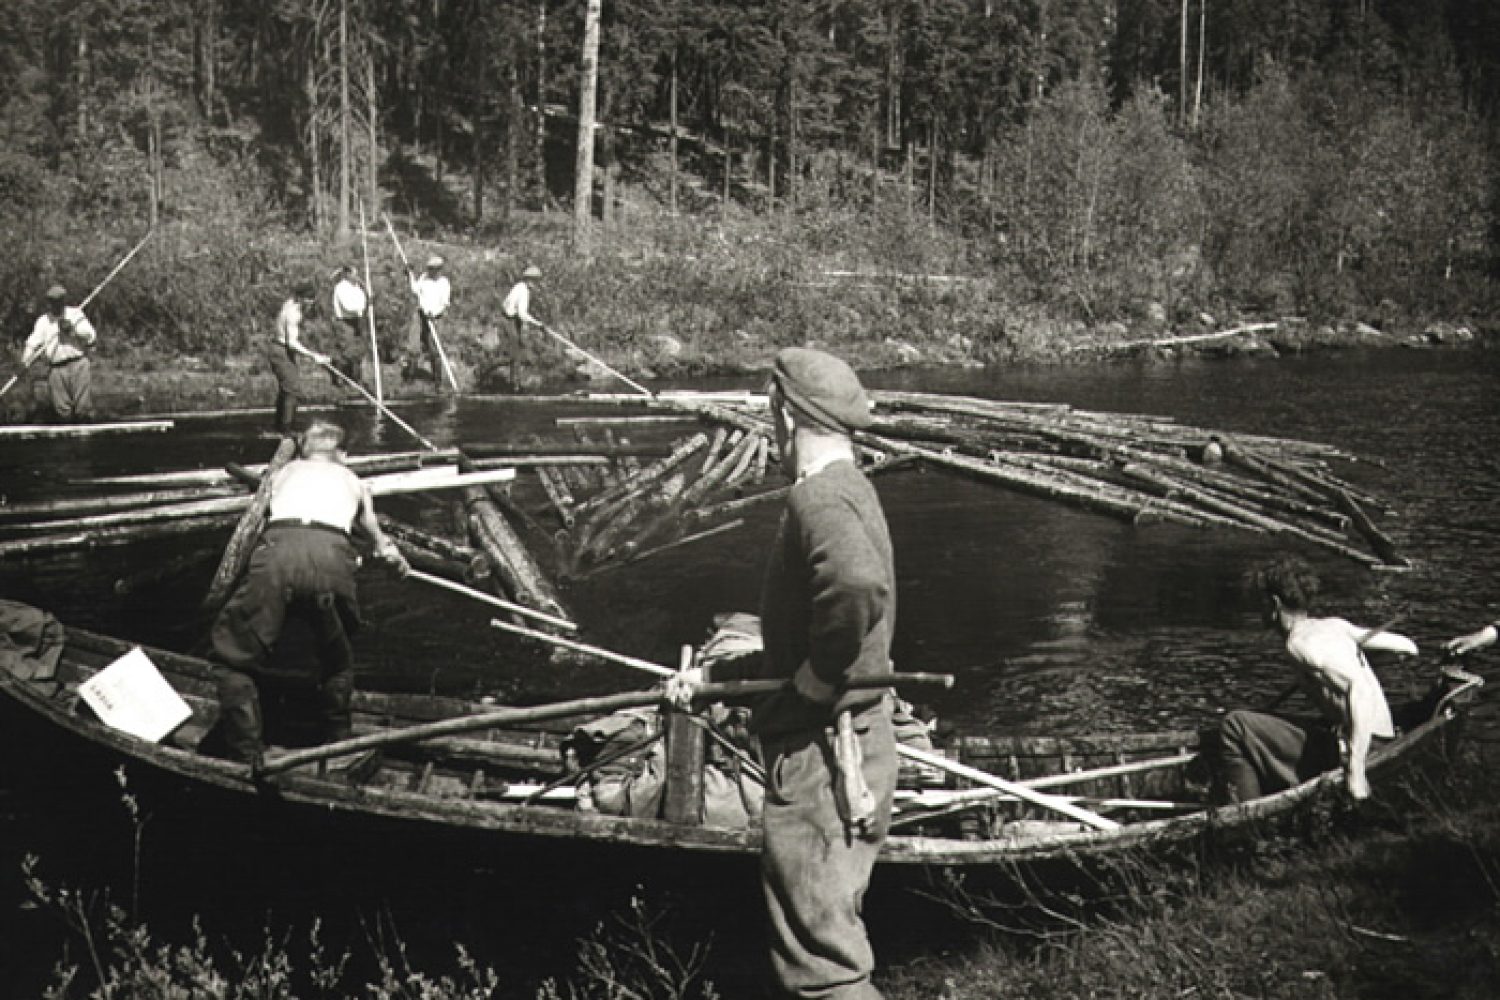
(304, 566)
(62, 336)
(433, 296)
(517, 309)
(285, 351)
(349, 305)
(828, 610)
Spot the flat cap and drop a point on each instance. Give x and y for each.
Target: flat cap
(823, 387)
(532, 271)
(57, 292)
(435, 261)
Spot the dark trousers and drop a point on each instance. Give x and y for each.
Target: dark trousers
(1262, 753)
(295, 573)
(427, 344)
(288, 385)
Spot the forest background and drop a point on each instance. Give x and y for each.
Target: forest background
(903, 180)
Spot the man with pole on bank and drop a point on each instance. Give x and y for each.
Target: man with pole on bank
(62, 336)
(434, 294)
(517, 309)
(828, 611)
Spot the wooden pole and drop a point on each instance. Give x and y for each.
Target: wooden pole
(1020, 791)
(242, 542)
(442, 354)
(683, 783)
(479, 595)
(562, 710)
(574, 347)
(385, 409)
(364, 244)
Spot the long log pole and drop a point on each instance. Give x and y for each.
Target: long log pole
(1052, 802)
(442, 354)
(113, 536)
(600, 705)
(247, 532)
(479, 595)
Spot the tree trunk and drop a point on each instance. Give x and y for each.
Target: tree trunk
(314, 141)
(541, 102)
(206, 56)
(1202, 30)
(372, 115)
(672, 142)
(477, 149)
(345, 150)
(932, 169)
(607, 148)
(81, 84)
(512, 136)
(1182, 67)
(583, 174)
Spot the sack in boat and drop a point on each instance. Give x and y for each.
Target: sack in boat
(31, 641)
(628, 783)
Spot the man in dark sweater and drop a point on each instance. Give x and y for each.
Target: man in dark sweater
(828, 608)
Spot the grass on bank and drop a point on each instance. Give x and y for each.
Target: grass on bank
(1397, 900)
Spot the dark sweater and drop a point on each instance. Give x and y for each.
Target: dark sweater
(829, 596)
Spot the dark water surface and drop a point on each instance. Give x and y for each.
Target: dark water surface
(1054, 620)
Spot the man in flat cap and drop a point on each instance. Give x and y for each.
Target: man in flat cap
(433, 297)
(828, 610)
(62, 336)
(517, 309)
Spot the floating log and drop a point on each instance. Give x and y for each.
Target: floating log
(455, 552)
(561, 448)
(33, 431)
(120, 535)
(125, 501)
(389, 462)
(1378, 540)
(517, 571)
(644, 478)
(631, 556)
(557, 494)
(741, 445)
(247, 532)
(715, 449)
(655, 418)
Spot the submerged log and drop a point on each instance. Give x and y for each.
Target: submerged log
(84, 506)
(158, 572)
(643, 479)
(247, 532)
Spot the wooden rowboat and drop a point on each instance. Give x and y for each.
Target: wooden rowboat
(510, 785)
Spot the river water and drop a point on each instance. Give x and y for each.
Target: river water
(1054, 620)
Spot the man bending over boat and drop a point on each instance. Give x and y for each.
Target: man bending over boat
(828, 609)
(1264, 753)
(304, 567)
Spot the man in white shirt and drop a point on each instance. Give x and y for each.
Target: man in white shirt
(434, 295)
(304, 566)
(517, 309)
(284, 352)
(349, 305)
(1264, 753)
(62, 336)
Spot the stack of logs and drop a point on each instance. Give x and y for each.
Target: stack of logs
(606, 504)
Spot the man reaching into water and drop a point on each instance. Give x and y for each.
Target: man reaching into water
(1264, 753)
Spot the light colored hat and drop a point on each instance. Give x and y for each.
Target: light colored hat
(532, 271)
(57, 292)
(822, 387)
(435, 261)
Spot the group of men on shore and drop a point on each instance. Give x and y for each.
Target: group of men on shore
(63, 338)
(433, 295)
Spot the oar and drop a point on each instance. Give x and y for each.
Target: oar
(1020, 791)
(86, 300)
(479, 595)
(557, 710)
(442, 354)
(384, 409)
(623, 378)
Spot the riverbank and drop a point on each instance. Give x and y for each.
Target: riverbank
(144, 382)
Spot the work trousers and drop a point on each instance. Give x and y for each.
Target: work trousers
(813, 871)
(427, 344)
(288, 385)
(349, 349)
(301, 572)
(70, 386)
(1262, 753)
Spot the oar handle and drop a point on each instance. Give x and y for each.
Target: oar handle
(557, 710)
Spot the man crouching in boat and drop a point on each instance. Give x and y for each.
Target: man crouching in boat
(304, 565)
(828, 609)
(1264, 753)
